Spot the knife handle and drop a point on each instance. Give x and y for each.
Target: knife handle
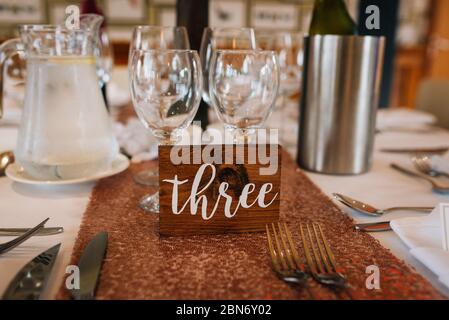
(373, 227)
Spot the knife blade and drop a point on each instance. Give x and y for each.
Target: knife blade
(10, 232)
(89, 266)
(373, 227)
(438, 150)
(31, 280)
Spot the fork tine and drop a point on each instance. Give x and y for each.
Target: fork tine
(278, 247)
(315, 253)
(274, 259)
(5, 247)
(328, 249)
(309, 259)
(286, 248)
(293, 247)
(321, 250)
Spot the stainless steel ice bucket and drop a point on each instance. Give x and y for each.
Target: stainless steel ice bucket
(341, 86)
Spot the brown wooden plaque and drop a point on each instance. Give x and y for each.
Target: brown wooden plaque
(212, 189)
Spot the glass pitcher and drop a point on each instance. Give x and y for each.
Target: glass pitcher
(65, 130)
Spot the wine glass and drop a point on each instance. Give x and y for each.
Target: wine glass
(156, 37)
(243, 85)
(222, 38)
(166, 93)
(289, 47)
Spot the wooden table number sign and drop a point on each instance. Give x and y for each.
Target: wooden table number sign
(210, 189)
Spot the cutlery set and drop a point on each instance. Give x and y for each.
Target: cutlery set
(30, 282)
(424, 164)
(436, 185)
(374, 212)
(321, 262)
(426, 171)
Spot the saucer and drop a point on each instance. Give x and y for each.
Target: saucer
(16, 173)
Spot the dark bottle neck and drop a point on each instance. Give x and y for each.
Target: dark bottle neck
(331, 17)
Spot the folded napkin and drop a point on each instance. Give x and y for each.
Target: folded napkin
(141, 145)
(402, 117)
(424, 237)
(117, 97)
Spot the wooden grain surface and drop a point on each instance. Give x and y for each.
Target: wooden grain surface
(238, 173)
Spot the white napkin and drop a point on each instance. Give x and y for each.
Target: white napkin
(423, 235)
(440, 163)
(136, 140)
(117, 97)
(141, 145)
(402, 117)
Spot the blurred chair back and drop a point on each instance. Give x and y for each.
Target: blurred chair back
(433, 97)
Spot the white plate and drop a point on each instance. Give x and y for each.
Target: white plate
(16, 173)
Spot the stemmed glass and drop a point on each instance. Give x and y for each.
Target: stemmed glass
(289, 47)
(222, 38)
(155, 37)
(166, 93)
(243, 86)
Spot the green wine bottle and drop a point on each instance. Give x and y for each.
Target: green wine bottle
(331, 17)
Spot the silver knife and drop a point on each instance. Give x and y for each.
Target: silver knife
(373, 227)
(89, 266)
(10, 232)
(438, 150)
(31, 280)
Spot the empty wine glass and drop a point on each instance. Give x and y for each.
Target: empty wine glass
(289, 47)
(156, 37)
(222, 38)
(166, 93)
(243, 85)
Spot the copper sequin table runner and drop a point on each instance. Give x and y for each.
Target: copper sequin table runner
(141, 265)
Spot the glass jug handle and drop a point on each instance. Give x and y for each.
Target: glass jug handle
(7, 50)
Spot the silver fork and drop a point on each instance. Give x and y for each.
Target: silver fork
(422, 163)
(322, 264)
(7, 246)
(284, 257)
(436, 186)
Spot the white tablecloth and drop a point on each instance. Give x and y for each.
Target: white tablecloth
(25, 206)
